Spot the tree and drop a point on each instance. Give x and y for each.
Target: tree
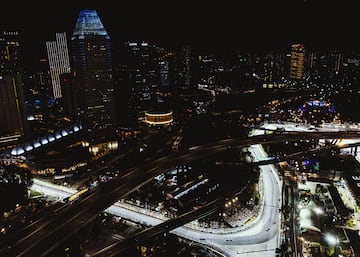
(15, 182)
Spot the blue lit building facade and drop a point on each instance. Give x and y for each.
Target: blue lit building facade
(92, 65)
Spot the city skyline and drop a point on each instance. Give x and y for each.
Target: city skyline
(209, 27)
(179, 129)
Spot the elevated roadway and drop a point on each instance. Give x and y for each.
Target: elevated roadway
(35, 239)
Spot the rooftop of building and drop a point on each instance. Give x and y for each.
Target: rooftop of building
(89, 23)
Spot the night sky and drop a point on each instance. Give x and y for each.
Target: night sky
(209, 25)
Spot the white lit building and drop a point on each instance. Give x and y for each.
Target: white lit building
(59, 62)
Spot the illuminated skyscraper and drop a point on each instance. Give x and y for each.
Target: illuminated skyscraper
(297, 61)
(187, 50)
(273, 67)
(181, 69)
(325, 65)
(164, 73)
(58, 61)
(12, 102)
(138, 79)
(336, 61)
(143, 73)
(92, 63)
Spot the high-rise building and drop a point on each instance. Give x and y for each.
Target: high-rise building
(12, 102)
(143, 72)
(138, 78)
(187, 50)
(166, 59)
(297, 61)
(92, 64)
(336, 61)
(10, 57)
(182, 70)
(273, 67)
(164, 73)
(325, 65)
(12, 108)
(59, 63)
(69, 100)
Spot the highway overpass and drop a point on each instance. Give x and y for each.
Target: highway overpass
(35, 239)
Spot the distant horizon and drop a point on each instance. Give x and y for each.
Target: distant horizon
(32, 58)
(319, 25)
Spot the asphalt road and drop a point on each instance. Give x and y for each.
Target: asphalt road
(42, 238)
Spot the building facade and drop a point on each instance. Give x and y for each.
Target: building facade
(137, 79)
(92, 64)
(59, 62)
(12, 101)
(297, 61)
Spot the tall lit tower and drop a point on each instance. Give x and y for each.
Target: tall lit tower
(297, 61)
(59, 63)
(187, 50)
(92, 63)
(336, 61)
(12, 101)
(164, 73)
